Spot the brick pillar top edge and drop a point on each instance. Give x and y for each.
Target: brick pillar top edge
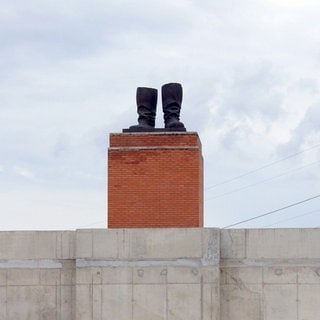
(155, 139)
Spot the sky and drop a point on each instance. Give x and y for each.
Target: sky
(250, 75)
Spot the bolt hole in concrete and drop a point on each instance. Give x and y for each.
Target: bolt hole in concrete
(278, 272)
(140, 273)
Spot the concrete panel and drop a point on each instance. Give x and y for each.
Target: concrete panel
(241, 275)
(105, 244)
(150, 302)
(84, 244)
(210, 246)
(308, 302)
(283, 243)
(210, 302)
(184, 301)
(50, 276)
(3, 277)
(66, 245)
(210, 275)
(117, 275)
(309, 274)
(280, 302)
(280, 274)
(23, 277)
(28, 245)
(68, 273)
(117, 302)
(67, 302)
(233, 244)
(47, 302)
(3, 303)
(184, 275)
(23, 303)
(84, 300)
(97, 302)
(165, 243)
(241, 302)
(151, 275)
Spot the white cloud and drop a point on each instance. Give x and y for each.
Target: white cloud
(25, 173)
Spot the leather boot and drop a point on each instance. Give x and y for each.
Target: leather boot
(146, 107)
(171, 106)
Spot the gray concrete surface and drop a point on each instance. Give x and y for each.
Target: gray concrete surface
(170, 274)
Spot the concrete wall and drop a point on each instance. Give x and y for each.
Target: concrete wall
(171, 274)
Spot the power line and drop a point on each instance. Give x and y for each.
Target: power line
(263, 167)
(292, 218)
(263, 181)
(271, 212)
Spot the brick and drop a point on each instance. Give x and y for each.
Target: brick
(155, 180)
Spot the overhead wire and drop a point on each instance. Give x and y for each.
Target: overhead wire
(263, 181)
(292, 218)
(271, 212)
(262, 167)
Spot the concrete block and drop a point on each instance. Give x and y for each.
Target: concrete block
(149, 302)
(233, 244)
(22, 303)
(241, 275)
(280, 302)
(28, 245)
(308, 302)
(309, 274)
(84, 302)
(117, 302)
(184, 301)
(105, 244)
(67, 302)
(66, 245)
(184, 275)
(116, 275)
(50, 277)
(68, 273)
(96, 275)
(84, 276)
(165, 243)
(3, 277)
(280, 274)
(150, 275)
(23, 277)
(283, 243)
(241, 302)
(210, 275)
(97, 302)
(3, 302)
(210, 302)
(210, 246)
(84, 244)
(47, 302)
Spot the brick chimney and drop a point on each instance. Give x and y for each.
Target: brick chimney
(155, 180)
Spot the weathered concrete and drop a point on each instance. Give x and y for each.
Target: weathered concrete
(270, 274)
(166, 274)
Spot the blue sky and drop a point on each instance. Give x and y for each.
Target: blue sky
(250, 73)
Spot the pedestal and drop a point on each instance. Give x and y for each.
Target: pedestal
(155, 180)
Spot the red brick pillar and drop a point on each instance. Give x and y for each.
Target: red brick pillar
(155, 180)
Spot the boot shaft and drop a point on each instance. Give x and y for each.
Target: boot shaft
(146, 99)
(171, 105)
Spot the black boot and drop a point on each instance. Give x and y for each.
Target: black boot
(171, 106)
(146, 107)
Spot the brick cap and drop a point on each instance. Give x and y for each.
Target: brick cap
(153, 139)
